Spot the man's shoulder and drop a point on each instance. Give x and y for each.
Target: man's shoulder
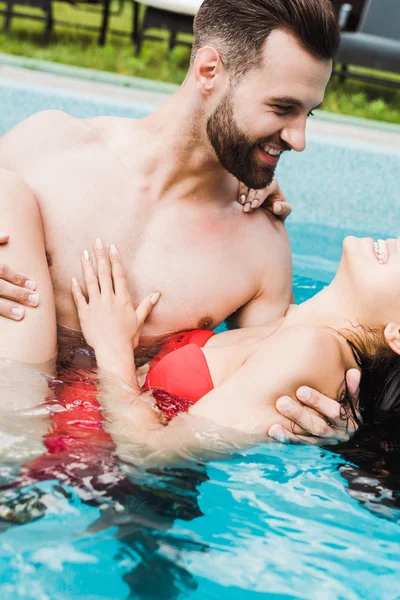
(267, 258)
(43, 131)
(269, 246)
(267, 220)
(30, 134)
(44, 123)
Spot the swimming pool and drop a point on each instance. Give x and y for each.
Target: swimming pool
(274, 522)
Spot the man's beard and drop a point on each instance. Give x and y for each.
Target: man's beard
(236, 152)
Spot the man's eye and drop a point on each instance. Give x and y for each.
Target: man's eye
(282, 109)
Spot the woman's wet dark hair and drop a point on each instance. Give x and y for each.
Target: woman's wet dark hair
(379, 395)
(372, 468)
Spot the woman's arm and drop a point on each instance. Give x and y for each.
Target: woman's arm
(236, 414)
(109, 321)
(141, 438)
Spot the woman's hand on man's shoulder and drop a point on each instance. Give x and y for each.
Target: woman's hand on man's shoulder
(270, 198)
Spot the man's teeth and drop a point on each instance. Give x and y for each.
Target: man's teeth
(381, 251)
(271, 151)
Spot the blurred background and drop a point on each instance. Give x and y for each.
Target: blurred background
(152, 40)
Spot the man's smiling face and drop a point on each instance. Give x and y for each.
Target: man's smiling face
(265, 112)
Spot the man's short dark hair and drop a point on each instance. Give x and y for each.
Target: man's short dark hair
(238, 29)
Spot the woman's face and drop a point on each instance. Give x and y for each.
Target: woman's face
(370, 272)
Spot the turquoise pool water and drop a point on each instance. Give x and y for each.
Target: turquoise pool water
(274, 522)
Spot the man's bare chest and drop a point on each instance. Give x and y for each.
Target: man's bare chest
(194, 258)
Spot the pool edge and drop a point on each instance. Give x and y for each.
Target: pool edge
(127, 81)
(116, 79)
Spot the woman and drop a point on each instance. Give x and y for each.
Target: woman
(234, 378)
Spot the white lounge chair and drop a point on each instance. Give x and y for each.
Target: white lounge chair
(175, 15)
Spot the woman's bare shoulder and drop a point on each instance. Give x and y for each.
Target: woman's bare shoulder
(300, 355)
(310, 339)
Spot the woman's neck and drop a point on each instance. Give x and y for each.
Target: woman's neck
(330, 308)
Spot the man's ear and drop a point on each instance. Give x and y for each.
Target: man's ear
(392, 336)
(206, 67)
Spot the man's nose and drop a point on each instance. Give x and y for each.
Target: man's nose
(295, 135)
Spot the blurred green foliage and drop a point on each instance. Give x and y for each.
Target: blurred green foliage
(360, 99)
(77, 47)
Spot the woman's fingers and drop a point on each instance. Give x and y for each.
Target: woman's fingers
(103, 268)
(251, 201)
(79, 298)
(281, 209)
(145, 308)
(91, 281)
(118, 272)
(243, 191)
(270, 197)
(247, 197)
(111, 278)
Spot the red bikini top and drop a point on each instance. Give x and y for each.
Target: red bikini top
(180, 368)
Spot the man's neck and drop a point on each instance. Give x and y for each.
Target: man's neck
(178, 158)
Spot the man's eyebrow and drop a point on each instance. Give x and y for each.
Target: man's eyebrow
(290, 100)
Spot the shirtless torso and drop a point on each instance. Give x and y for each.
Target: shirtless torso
(95, 178)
